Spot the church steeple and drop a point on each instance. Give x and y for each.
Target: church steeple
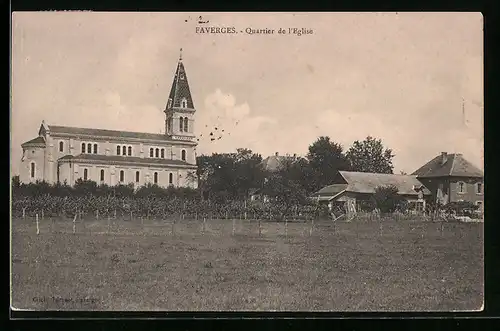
(180, 109)
(180, 94)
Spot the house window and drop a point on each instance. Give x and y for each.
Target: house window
(118, 150)
(61, 146)
(102, 175)
(122, 176)
(85, 174)
(157, 152)
(156, 178)
(124, 150)
(95, 148)
(170, 178)
(181, 124)
(479, 188)
(32, 170)
(479, 203)
(163, 153)
(137, 176)
(129, 151)
(83, 147)
(89, 148)
(151, 152)
(185, 124)
(461, 188)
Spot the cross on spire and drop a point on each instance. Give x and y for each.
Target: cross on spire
(180, 55)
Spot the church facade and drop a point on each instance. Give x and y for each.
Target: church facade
(62, 154)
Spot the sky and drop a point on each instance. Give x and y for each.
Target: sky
(413, 80)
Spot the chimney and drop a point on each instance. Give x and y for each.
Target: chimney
(276, 154)
(444, 158)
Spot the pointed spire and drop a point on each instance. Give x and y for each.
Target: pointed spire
(180, 94)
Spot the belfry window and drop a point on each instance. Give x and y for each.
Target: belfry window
(129, 151)
(181, 124)
(124, 150)
(89, 148)
(151, 151)
(157, 152)
(184, 103)
(32, 170)
(163, 153)
(95, 148)
(83, 147)
(118, 150)
(185, 124)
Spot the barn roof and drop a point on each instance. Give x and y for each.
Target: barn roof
(444, 165)
(365, 182)
(331, 190)
(274, 162)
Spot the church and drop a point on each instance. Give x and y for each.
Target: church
(63, 154)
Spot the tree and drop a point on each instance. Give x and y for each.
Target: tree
(284, 188)
(369, 155)
(388, 200)
(325, 158)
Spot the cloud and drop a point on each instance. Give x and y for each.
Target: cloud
(223, 125)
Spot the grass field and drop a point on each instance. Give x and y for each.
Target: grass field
(357, 266)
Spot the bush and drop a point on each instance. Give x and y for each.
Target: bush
(388, 200)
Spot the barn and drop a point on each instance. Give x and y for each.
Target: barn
(352, 190)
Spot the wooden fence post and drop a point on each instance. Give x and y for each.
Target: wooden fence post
(24, 213)
(203, 227)
(286, 228)
(312, 226)
(115, 214)
(381, 228)
(234, 226)
(42, 214)
(97, 214)
(260, 229)
(74, 224)
(37, 228)
(173, 226)
(108, 223)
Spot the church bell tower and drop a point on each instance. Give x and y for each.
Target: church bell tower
(179, 112)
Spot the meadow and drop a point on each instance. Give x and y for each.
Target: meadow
(152, 265)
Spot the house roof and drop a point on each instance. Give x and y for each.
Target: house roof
(125, 159)
(274, 162)
(107, 133)
(365, 182)
(180, 88)
(36, 141)
(454, 165)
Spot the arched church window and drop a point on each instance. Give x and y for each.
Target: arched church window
(122, 176)
(157, 152)
(124, 150)
(83, 147)
(185, 124)
(170, 178)
(102, 175)
(129, 151)
(61, 146)
(89, 148)
(151, 152)
(85, 174)
(163, 153)
(181, 124)
(156, 178)
(183, 155)
(118, 150)
(95, 148)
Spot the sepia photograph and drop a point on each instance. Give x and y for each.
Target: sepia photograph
(204, 161)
